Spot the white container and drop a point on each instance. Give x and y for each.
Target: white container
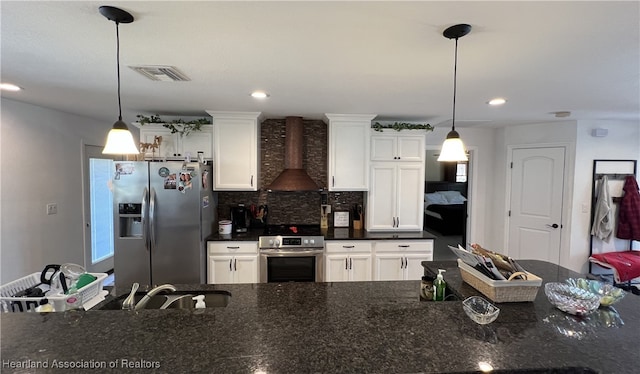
(224, 227)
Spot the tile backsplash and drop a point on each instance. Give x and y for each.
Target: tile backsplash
(290, 207)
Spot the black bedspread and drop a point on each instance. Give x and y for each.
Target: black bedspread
(452, 222)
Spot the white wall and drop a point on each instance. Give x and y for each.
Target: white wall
(621, 142)
(41, 162)
(549, 134)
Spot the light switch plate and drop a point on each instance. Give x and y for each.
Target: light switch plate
(52, 208)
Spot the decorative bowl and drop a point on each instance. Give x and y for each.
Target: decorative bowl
(480, 310)
(570, 299)
(609, 294)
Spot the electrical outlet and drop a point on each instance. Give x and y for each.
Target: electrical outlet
(52, 208)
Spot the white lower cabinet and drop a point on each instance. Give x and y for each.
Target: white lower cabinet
(232, 262)
(401, 259)
(348, 261)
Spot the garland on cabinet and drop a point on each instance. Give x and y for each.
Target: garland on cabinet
(399, 126)
(176, 126)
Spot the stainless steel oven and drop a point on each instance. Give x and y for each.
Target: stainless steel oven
(291, 259)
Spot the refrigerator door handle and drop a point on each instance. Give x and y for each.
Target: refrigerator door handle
(144, 218)
(152, 218)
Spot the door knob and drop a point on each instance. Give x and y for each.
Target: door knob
(554, 226)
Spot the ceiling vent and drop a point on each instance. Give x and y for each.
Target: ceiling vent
(161, 73)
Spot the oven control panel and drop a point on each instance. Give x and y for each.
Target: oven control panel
(291, 242)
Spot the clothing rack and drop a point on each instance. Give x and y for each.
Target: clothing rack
(614, 170)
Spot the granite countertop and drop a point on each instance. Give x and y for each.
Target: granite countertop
(352, 327)
(332, 234)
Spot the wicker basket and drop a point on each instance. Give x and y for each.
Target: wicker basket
(501, 291)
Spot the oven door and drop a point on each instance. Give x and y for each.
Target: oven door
(299, 265)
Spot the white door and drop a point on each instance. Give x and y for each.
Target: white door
(336, 268)
(220, 269)
(360, 267)
(413, 267)
(381, 212)
(98, 218)
(410, 200)
(389, 267)
(535, 223)
(246, 269)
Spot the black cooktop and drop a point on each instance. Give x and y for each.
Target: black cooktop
(290, 230)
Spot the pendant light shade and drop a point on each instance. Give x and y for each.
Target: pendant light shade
(453, 149)
(119, 141)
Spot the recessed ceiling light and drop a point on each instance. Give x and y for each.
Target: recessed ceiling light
(259, 95)
(9, 87)
(497, 101)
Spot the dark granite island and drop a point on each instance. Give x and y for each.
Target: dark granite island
(367, 327)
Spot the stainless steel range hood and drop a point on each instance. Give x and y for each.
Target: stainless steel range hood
(294, 177)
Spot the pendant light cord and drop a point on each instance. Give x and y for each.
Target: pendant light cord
(118, 65)
(455, 73)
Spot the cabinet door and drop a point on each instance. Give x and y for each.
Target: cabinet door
(381, 200)
(348, 155)
(411, 148)
(168, 146)
(336, 268)
(199, 141)
(236, 154)
(383, 148)
(245, 269)
(410, 196)
(389, 266)
(220, 269)
(413, 267)
(360, 267)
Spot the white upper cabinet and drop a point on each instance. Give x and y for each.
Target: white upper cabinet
(236, 147)
(396, 147)
(174, 146)
(395, 199)
(348, 151)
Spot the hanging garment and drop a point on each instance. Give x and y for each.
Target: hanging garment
(629, 212)
(603, 216)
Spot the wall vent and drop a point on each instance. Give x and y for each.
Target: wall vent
(161, 73)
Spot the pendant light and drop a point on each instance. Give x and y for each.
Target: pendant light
(119, 141)
(453, 149)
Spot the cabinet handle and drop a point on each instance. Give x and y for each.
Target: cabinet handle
(252, 181)
(397, 221)
(401, 262)
(394, 221)
(230, 262)
(350, 264)
(348, 246)
(403, 246)
(235, 264)
(233, 247)
(333, 181)
(346, 264)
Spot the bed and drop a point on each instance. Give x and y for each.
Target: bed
(445, 207)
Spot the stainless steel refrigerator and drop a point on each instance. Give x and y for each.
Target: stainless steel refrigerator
(163, 211)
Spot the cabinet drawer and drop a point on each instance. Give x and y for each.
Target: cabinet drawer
(232, 247)
(404, 246)
(342, 246)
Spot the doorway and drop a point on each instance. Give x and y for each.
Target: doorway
(449, 222)
(98, 215)
(536, 203)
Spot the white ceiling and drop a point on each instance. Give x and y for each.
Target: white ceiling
(386, 58)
